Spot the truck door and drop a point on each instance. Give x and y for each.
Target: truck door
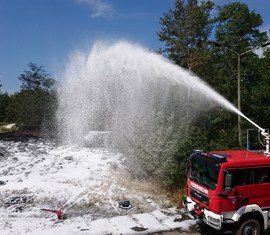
(239, 195)
(259, 193)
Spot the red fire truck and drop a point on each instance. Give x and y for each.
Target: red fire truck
(230, 188)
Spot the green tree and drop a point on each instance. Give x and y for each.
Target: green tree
(4, 101)
(36, 79)
(260, 95)
(185, 31)
(36, 101)
(238, 27)
(237, 30)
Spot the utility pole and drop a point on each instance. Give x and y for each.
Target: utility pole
(239, 100)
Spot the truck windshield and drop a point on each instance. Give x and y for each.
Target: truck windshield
(204, 170)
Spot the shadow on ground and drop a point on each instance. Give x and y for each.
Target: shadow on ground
(199, 229)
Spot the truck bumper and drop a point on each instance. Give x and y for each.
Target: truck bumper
(212, 219)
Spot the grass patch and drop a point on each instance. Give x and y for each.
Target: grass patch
(149, 189)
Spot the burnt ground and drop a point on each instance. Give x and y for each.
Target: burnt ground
(19, 136)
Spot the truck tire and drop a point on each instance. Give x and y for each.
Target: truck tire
(249, 227)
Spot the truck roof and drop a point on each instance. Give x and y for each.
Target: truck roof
(245, 156)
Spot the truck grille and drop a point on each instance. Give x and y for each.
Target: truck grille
(199, 196)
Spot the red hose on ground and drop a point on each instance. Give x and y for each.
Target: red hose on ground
(59, 213)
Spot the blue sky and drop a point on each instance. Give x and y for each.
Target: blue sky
(45, 32)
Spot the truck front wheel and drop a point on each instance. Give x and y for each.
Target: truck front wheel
(249, 227)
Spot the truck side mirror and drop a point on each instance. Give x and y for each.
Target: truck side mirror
(228, 182)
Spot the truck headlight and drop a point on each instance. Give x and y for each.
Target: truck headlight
(217, 221)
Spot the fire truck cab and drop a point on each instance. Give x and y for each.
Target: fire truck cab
(230, 187)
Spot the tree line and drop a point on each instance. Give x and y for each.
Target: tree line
(33, 107)
(207, 40)
(210, 47)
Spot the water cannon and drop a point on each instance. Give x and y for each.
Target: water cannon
(264, 133)
(266, 136)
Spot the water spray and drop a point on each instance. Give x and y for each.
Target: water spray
(112, 88)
